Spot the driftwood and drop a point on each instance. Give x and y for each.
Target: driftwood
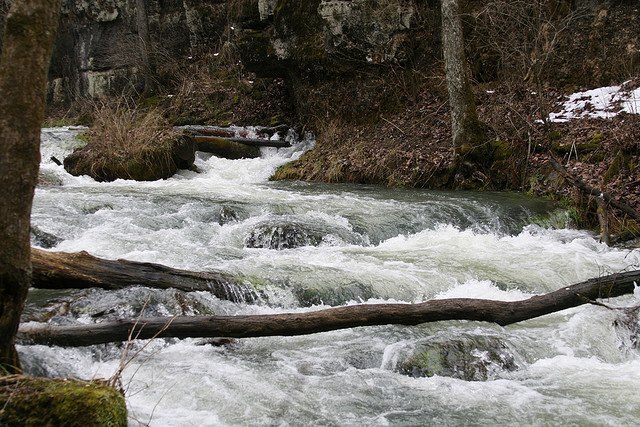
(59, 270)
(500, 312)
(206, 139)
(224, 147)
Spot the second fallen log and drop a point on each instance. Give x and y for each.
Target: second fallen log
(289, 324)
(232, 147)
(60, 270)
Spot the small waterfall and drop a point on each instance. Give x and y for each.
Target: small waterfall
(627, 326)
(239, 293)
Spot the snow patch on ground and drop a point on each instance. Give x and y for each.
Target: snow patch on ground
(604, 102)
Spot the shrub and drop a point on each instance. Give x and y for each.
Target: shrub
(129, 143)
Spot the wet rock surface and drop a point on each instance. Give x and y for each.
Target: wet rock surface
(467, 357)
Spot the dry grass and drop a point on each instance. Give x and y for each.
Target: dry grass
(124, 128)
(126, 142)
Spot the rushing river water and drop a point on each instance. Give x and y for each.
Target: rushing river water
(309, 246)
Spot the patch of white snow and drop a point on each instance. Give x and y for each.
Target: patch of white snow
(604, 102)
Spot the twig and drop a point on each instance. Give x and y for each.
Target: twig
(394, 125)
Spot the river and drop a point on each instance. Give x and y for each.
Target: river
(307, 246)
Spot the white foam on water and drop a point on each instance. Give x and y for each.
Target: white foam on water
(482, 289)
(574, 367)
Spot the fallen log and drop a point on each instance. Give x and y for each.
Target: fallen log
(225, 148)
(60, 270)
(228, 132)
(582, 186)
(206, 139)
(500, 312)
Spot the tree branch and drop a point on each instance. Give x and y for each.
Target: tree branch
(576, 182)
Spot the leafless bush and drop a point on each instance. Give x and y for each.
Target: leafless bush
(524, 34)
(121, 126)
(126, 142)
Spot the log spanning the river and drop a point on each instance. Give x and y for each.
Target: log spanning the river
(225, 147)
(229, 132)
(500, 312)
(226, 143)
(60, 270)
(205, 139)
(233, 148)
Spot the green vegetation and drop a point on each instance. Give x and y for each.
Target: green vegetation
(26, 401)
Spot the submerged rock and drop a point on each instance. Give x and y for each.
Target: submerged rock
(48, 179)
(43, 239)
(466, 357)
(627, 327)
(289, 232)
(283, 236)
(334, 295)
(227, 214)
(59, 402)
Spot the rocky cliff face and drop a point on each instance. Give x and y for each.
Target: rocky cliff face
(101, 46)
(99, 49)
(326, 35)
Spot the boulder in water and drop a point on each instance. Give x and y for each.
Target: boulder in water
(288, 232)
(467, 357)
(151, 162)
(282, 236)
(43, 239)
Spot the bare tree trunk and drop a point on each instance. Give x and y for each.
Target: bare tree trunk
(27, 43)
(603, 219)
(500, 312)
(468, 133)
(60, 270)
(142, 22)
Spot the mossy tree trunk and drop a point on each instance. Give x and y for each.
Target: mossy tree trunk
(27, 43)
(469, 135)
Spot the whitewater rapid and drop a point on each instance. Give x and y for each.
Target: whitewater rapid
(308, 246)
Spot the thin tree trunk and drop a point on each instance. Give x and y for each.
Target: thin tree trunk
(603, 219)
(60, 270)
(27, 43)
(142, 22)
(500, 312)
(467, 131)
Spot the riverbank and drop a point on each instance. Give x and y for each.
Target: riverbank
(412, 148)
(383, 118)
